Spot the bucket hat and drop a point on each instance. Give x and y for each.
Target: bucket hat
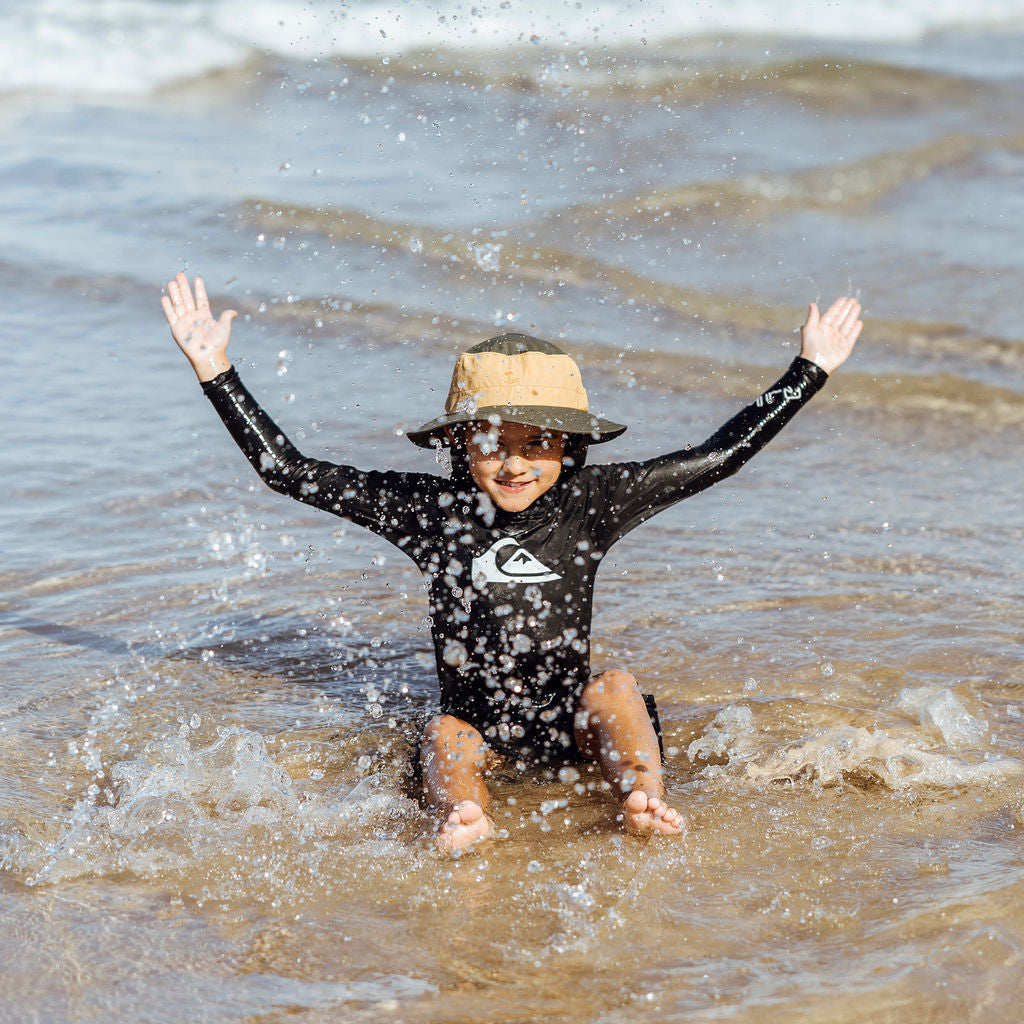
(518, 379)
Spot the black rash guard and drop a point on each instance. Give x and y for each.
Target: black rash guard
(511, 594)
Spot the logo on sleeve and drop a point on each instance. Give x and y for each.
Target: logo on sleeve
(498, 564)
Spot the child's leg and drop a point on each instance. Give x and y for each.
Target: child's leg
(613, 727)
(453, 756)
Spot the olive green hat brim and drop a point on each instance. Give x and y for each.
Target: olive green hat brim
(557, 419)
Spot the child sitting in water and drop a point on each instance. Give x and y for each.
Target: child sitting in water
(511, 544)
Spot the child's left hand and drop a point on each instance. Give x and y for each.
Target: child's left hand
(827, 339)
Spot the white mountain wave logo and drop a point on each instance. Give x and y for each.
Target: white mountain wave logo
(517, 566)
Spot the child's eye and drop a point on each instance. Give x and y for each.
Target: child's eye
(486, 442)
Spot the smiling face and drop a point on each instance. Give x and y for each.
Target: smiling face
(513, 463)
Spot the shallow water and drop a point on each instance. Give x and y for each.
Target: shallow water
(210, 694)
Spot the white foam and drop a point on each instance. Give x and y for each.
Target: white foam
(386, 26)
(940, 711)
(899, 760)
(133, 46)
(894, 762)
(730, 734)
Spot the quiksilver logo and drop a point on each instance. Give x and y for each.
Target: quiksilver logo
(498, 564)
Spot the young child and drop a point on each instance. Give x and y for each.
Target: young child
(511, 544)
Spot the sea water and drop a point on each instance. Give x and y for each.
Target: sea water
(211, 695)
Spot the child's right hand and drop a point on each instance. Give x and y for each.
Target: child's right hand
(203, 339)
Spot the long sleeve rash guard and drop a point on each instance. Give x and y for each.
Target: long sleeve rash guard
(511, 594)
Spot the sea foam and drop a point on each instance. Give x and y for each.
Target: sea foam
(135, 46)
(899, 758)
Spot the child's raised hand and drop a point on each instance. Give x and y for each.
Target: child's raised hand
(203, 339)
(828, 338)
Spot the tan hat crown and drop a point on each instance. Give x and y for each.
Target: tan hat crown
(488, 379)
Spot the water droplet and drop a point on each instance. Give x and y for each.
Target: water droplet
(454, 653)
(488, 256)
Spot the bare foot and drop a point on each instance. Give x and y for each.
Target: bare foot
(644, 815)
(466, 825)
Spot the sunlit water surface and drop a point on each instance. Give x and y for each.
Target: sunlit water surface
(210, 694)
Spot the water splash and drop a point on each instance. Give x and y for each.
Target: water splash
(732, 746)
(854, 753)
(180, 807)
(941, 712)
(731, 734)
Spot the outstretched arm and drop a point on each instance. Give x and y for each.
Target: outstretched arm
(643, 489)
(368, 499)
(828, 338)
(203, 339)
